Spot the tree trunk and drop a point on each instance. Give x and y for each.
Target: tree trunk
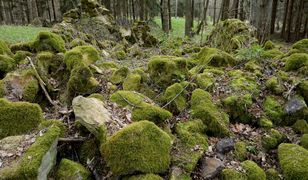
(289, 20)
(141, 15)
(283, 29)
(234, 10)
(188, 18)
(273, 17)
(225, 9)
(242, 14)
(165, 15)
(214, 16)
(133, 9)
(170, 16)
(300, 14)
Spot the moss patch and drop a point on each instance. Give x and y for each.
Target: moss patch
(71, 170)
(4, 49)
(144, 177)
(231, 174)
(253, 171)
(215, 57)
(47, 41)
(274, 85)
(119, 75)
(18, 118)
(177, 95)
(304, 141)
(272, 139)
(7, 64)
(139, 147)
(300, 126)
(273, 109)
(132, 82)
(240, 150)
(203, 108)
(296, 61)
(301, 45)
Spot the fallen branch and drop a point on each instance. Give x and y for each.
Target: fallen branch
(287, 94)
(72, 139)
(41, 82)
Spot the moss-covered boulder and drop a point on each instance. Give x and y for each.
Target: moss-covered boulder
(274, 85)
(265, 123)
(272, 139)
(304, 141)
(151, 113)
(139, 147)
(72, 170)
(202, 107)
(232, 174)
(21, 85)
(272, 174)
(272, 53)
(38, 160)
(230, 35)
(301, 45)
(237, 108)
(303, 90)
(119, 75)
(273, 109)
(132, 82)
(175, 95)
(269, 45)
(20, 57)
(205, 81)
(189, 135)
(296, 61)
(293, 160)
(243, 83)
(18, 118)
(4, 49)
(144, 177)
(240, 150)
(167, 70)
(48, 41)
(253, 171)
(7, 64)
(21, 46)
(91, 113)
(300, 126)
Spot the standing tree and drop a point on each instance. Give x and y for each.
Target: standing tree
(188, 18)
(165, 15)
(225, 9)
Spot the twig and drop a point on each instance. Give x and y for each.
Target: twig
(287, 94)
(72, 139)
(41, 82)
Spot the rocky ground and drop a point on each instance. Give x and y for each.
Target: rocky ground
(93, 100)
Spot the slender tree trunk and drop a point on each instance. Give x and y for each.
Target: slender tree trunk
(289, 20)
(170, 15)
(165, 15)
(192, 12)
(273, 17)
(225, 9)
(242, 14)
(133, 9)
(214, 16)
(285, 18)
(300, 14)
(234, 10)
(141, 15)
(176, 8)
(188, 18)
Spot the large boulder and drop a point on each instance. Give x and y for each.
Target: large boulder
(293, 161)
(18, 118)
(72, 170)
(47, 41)
(139, 147)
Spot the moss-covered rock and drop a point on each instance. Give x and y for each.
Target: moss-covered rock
(203, 108)
(20, 56)
(304, 141)
(176, 94)
(244, 83)
(4, 49)
(129, 99)
(269, 45)
(301, 45)
(293, 161)
(265, 123)
(272, 174)
(120, 55)
(272, 53)
(274, 85)
(144, 177)
(240, 150)
(18, 118)
(189, 135)
(21, 46)
(48, 41)
(230, 35)
(300, 126)
(132, 82)
(273, 109)
(272, 139)
(53, 122)
(237, 107)
(215, 57)
(77, 42)
(119, 75)
(231, 174)
(72, 170)
(253, 171)
(205, 81)
(296, 61)
(97, 96)
(88, 150)
(166, 70)
(7, 64)
(303, 90)
(151, 113)
(139, 147)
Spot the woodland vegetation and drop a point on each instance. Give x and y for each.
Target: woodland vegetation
(153, 90)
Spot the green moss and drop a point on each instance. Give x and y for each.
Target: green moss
(132, 82)
(269, 45)
(119, 75)
(129, 98)
(81, 55)
(293, 161)
(88, 150)
(253, 171)
(2, 89)
(4, 49)
(215, 57)
(296, 61)
(189, 135)
(18, 118)
(37, 151)
(166, 70)
(97, 96)
(252, 66)
(303, 89)
(265, 123)
(272, 139)
(177, 96)
(231, 174)
(22, 46)
(21, 55)
(300, 126)
(237, 107)
(151, 113)
(47, 41)
(203, 108)
(272, 53)
(205, 81)
(240, 150)
(7, 64)
(301, 45)
(77, 42)
(272, 174)
(139, 147)
(304, 141)
(49, 123)
(71, 170)
(120, 55)
(274, 85)
(245, 84)
(144, 177)
(108, 65)
(273, 109)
